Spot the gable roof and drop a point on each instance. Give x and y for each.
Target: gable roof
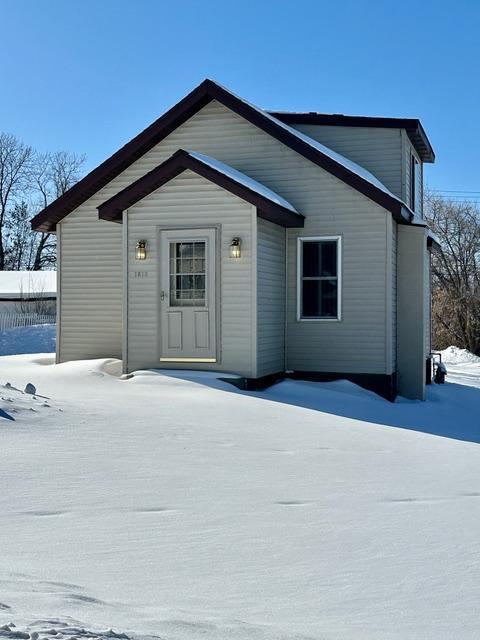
(270, 205)
(413, 126)
(347, 171)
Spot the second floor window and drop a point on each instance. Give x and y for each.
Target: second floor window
(415, 186)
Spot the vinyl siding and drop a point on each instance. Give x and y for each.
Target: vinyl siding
(393, 294)
(92, 253)
(407, 151)
(378, 150)
(90, 287)
(411, 316)
(356, 343)
(428, 304)
(190, 200)
(271, 298)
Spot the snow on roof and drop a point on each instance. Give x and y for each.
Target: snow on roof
(39, 282)
(243, 179)
(337, 157)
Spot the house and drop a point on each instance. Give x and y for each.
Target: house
(28, 291)
(229, 238)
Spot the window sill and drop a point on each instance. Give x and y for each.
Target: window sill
(319, 319)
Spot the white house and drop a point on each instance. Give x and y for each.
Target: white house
(229, 238)
(24, 288)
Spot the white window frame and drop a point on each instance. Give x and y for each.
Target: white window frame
(300, 242)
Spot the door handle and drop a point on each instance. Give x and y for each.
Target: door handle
(162, 295)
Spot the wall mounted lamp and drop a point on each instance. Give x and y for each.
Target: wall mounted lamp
(141, 250)
(236, 248)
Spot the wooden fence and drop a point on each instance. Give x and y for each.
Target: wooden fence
(11, 320)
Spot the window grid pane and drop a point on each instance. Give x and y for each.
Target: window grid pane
(187, 274)
(319, 279)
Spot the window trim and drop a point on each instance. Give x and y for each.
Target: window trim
(300, 241)
(413, 181)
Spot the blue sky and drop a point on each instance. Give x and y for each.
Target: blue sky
(87, 75)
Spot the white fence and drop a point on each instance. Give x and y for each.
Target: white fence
(10, 320)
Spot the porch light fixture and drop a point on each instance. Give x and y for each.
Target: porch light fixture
(236, 248)
(141, 250)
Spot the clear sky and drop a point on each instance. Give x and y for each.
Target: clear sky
(87, 75)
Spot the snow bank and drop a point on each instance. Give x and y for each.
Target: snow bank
(455, 355)
(38, 338)
(174, 506)
(16, 282)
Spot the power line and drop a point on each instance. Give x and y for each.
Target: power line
(454, 191)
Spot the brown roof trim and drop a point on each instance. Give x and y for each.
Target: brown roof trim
(177, 115)
(413, 126)
(180, 161)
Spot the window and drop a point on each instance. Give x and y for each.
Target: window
(318, 286)
(187, 274)
(415, 182)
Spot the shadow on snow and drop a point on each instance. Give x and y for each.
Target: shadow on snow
(451, 410)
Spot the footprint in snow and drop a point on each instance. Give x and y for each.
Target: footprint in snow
(78, 597)
(153, 510)
(42, 514)
(415, 500)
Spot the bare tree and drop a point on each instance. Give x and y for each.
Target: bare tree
(34, 299)
(15, 164)
(52, 175)
(455, 273)
(20, 242)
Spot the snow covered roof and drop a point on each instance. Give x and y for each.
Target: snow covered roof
(412, 126)
(269, 204)
(242, 178)
(318, 146)
(32, 283)
(339, 166)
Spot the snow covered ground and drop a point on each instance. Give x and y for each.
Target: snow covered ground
(38, 338)
(173, 505)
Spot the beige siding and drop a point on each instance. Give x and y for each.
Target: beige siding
(190, 200)
(271, 298)
(407, 151)
(428, 306)
(356, 344)
(378, 150)
(411, 316)
(393, 294)
(90, 304)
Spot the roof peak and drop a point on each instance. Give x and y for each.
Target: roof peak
(209, 90)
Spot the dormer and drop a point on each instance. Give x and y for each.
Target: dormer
(393, 149)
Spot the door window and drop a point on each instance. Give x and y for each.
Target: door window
(187, 274)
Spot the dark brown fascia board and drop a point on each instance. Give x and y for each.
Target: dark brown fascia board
(181, 160)
(206, 92)
(47, 219)
(413, 126)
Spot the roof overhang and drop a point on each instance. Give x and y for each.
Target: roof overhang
(412, 126)
(207, 91)
(267, 203)
(433, 241)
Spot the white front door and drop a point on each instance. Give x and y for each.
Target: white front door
(187, 295)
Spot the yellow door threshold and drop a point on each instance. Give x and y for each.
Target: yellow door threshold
(188, 359)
